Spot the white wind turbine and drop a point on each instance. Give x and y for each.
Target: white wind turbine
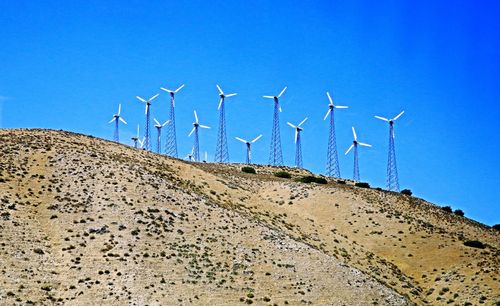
(171, 147)
(392, 169)
(248, 145)
(332, 160)
(158, 127)
(116, 118)
(298, 145)
(196, 145)
(147, 112)
(221, 152)
(275, 155)
(354, 145)
(135, 139)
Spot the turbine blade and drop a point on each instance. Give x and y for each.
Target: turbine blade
(204, 126)
(382, 118)
(114, 118)
(394, 119)
(268, 97)
(327, 113)
(339, 106)
(195, 117)
(302, 122)
(231, 95)
(282, 92)
(123, 120)
(280, 109)
(137, 131)
(147, 108)
(241, 139)
(164, 89)
(153, 97)
(220, 90)
(293, 126)
(220, 103)
(180, 87)
(165, 123)
(257, 138)
(156, 121)
(329, 97)
(354, 134)
(296, 134)
(194, 128)
(350, 148)
(141, 99)
(364, 144)
(119, 109)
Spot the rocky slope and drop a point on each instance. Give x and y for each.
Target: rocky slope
(86, 221)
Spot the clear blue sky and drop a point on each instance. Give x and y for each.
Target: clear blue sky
(67, 65)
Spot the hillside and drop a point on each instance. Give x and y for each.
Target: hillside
(87, 221)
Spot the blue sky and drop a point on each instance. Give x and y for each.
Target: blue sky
(67, 65)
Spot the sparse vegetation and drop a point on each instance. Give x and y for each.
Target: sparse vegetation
(474, 244)
(247, 169)
(362, 185)
(459, 212)
(406, 192)
(447, 209)
(312, 179)
(283, 174)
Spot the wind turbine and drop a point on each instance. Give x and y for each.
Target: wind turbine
(171, 146)
(141, 142)
(392, 169)
(221, 152)
(158, 127)
(147, 136)
(354, 145)
(248, 145)
(116, 118)
(135, 139)
(332, 159)
(298, 146)
(189, 156)
(196, 145)
(275, 155)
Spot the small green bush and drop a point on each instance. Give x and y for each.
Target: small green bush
(447, 209)
(407, 192)
(474, 244)
(312, 179)
(496, 227)
(459, 212)
(362, 185)
(283, 174)
(248, 170)
(340, 182)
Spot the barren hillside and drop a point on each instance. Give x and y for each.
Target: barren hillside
(86, 221)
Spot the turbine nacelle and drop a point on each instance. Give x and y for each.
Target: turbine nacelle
(276, 98)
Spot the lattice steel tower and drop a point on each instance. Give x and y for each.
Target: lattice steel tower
(171, 144)
(147, 136)
(298, 146)
(116, 118)
(158, 127)
(275, 154)
(221, 151)
(332, 160)
(392, 169)
(355, 143)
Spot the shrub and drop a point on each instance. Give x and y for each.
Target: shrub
(340, 182)
(312, 179)
(282, 174)
(446, 208)
(362, 185)
(407, 192)
(474, 244)
(496, 227)
(459, 212)
(248, 170)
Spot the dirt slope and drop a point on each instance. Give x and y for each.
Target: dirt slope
(85, 221)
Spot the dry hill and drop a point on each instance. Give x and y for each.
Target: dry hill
(85, 221)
